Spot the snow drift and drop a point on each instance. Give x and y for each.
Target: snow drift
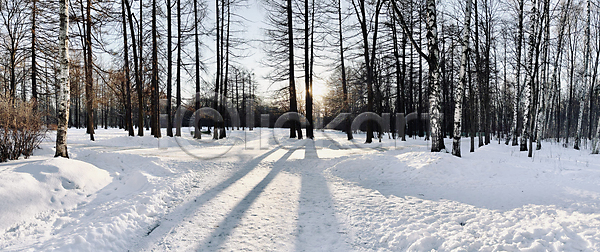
(38, 186)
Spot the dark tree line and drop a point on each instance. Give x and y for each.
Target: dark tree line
(521, 70)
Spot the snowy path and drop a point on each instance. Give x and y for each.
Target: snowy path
(269, 204)
(323, 196)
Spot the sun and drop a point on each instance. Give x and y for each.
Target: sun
(319, 91)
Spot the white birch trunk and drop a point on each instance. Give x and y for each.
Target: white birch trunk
(528, 84)
(582, 106)
(64, 87)
(462, 81)
(541, 115)
(596, 139)
(586, 78)
(437, 141)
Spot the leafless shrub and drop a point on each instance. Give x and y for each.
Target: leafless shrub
(21, 129)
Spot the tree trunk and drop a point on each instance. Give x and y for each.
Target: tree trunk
(459, 91)
(399, 79)
(343, 66)
(307, 71)
(34, 93)
(218, 79)
(555, 72)
(437, 140)
(89, 82)
(528, 90)
(517, 89)
(197, 131)
(169, 71)
(142, 68)
(64, 88)
(362, 18)
(586, 77)
(472, 108)
(128, 121)
(155, 97)
(294, 126)
(225, 101)
(541, 115)
(138, 81)
(179, 34)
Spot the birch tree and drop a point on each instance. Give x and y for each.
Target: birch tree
(462, 82)
(64, 87)
(584, 97)
(527, 89)
(540, 113)
(432, 58)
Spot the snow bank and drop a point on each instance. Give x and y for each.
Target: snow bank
(38, 186)
(332, 196)
(490, 200)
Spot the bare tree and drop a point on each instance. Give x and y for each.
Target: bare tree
(360, 8)
(155, 104)
(178, 74)
(459, 91)
(343, 70)
(308, 33)
(432, 58)
(292, 87)
(517, 89)
(89, 82)
(197, 133)
(137, 70)
(169, 71)
(34, 92)
(128, 120)
(13, 40)
(586, 60)
(64, 87)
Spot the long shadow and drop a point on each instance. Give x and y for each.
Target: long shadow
(214, 241)
(16, 162)
(164, 226)
(317, 227)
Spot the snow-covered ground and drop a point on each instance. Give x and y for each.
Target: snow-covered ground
(251, 193)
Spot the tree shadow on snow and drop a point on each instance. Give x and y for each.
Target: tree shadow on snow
(317, 227)
(188, 209)
(215, 240)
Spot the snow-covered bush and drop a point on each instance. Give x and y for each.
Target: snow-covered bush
(21, 129)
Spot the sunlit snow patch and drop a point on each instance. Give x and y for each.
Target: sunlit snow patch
(55, 183)
(417, 160)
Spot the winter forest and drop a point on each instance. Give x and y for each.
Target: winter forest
(502, 89)
(519, 71)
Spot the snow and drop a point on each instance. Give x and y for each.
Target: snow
(38, 185)
(250, 193)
